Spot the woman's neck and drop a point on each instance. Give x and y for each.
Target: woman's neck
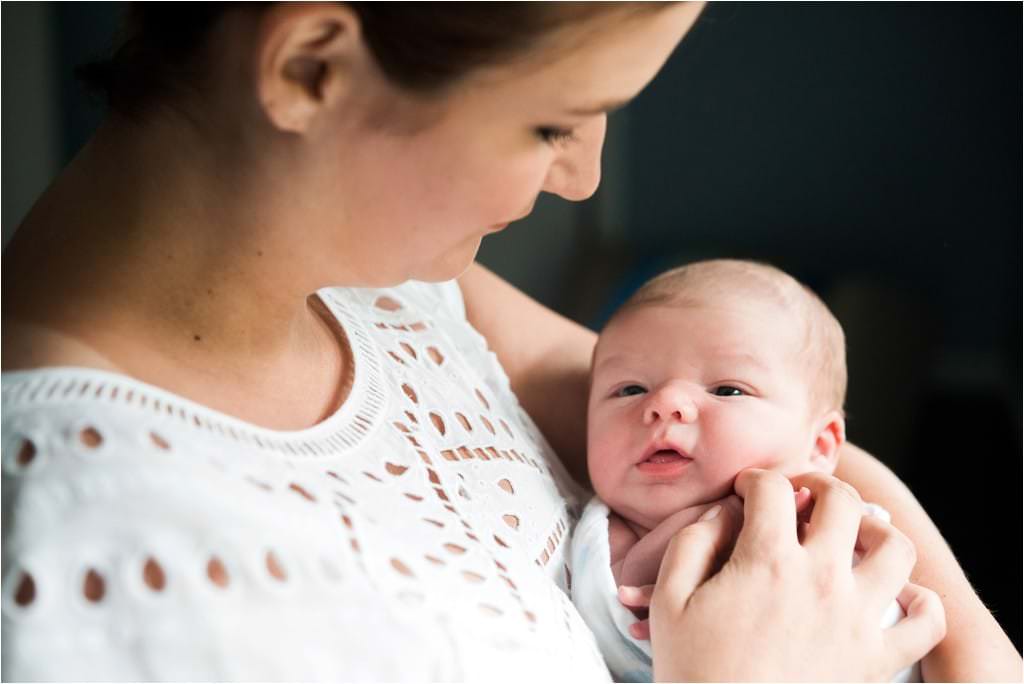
(152, 251)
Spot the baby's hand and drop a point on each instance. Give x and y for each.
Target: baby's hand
(803, 499)
(638, 600)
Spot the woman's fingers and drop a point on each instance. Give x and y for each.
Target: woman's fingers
(695, 551)
(769, 509)
(887, 558)
(807, 598)
(836, 517)
(914, 636)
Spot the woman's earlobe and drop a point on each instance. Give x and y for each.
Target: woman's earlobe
(305, 63)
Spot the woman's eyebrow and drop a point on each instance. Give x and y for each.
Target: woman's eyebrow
(606, 107)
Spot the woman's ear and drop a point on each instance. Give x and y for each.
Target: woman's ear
(829, 436)
(307, 57)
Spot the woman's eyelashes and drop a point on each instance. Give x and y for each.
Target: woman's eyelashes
(556, 135)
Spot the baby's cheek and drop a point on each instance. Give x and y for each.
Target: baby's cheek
(719, 477)
(737, 447)
(601, 465)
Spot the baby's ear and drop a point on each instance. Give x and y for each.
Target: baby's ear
(829, 436)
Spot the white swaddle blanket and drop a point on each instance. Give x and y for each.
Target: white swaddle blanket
(596, 597)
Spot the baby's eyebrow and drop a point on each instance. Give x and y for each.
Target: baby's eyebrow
(742, 359)
(613, 360)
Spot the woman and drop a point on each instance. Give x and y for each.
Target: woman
(236, 445)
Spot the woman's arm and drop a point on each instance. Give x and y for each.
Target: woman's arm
(975, 647)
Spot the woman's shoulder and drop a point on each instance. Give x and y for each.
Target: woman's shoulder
(30, 345)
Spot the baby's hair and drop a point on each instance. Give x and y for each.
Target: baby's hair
(824, 346)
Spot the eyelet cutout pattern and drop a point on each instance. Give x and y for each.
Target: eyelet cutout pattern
(90, 437)
(22, 454)
(388, 304)
(26, 454)
(25, 590)
(94, 586)
(158, 441)
(298, 489)
(217, 573)
(274, 567)
(401, 568)
(153, 575)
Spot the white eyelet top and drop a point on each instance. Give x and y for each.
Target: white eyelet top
(419, 533)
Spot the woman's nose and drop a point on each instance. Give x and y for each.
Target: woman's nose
(576, 172)
(670, 405)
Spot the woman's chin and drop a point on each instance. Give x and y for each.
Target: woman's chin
(451, 265)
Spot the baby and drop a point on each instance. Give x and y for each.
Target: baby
(708, 369)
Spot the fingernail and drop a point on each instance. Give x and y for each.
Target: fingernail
(711, 513)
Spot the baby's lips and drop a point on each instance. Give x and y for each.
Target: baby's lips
(666, 456)
(668, 448)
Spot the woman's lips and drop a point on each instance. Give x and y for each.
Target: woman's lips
(664, 463)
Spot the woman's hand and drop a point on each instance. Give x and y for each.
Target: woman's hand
(784, 609)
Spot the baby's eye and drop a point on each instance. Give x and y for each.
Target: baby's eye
(630, 391)
(727, 391)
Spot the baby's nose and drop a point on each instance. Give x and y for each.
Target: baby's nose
(670, 404)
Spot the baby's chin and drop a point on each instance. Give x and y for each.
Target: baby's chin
(652, 513)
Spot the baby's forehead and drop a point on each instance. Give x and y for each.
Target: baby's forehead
(736, 330)
(724, 314)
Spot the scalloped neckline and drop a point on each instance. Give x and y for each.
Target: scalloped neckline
(344, 429)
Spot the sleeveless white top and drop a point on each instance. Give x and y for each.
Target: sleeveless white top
(419, 533)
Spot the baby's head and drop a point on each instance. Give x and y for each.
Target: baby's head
(709, 369)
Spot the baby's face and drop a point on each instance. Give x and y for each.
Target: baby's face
(685, 397)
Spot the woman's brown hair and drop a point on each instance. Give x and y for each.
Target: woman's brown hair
(421, 46)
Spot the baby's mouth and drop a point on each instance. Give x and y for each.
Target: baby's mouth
(666, 456)
(664, 464)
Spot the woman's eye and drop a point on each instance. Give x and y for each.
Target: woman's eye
(727, 391)
(630, 391)
(554, 134)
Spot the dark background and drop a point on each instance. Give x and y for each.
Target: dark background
(872, 150)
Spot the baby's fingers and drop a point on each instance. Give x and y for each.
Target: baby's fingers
(636, 597)
(641, 631)
(693, 553)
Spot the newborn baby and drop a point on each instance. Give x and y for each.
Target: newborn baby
(707, 370)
